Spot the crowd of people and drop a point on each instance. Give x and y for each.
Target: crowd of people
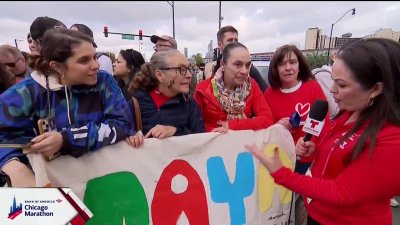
(345, 176)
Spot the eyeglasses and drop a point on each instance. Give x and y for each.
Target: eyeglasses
(159, 46)
(13, 64)
(182, 69)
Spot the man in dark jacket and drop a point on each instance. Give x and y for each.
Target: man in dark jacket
(225, 36)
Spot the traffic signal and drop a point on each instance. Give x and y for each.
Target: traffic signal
(105, 31)
(215, 54)
(140, 35)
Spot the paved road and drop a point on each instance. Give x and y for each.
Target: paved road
(396, 213)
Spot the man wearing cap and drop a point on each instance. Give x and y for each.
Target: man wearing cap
(104, 61)
(163, 43)
(40, 25)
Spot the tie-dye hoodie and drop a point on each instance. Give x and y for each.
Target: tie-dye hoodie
(88, 117)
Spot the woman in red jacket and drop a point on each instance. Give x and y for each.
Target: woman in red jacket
(230, 99)
(355, 170)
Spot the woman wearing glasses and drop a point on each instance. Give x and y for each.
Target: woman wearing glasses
(230, 99)
(161, 89)
(126, 67)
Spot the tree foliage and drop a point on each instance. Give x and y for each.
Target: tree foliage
(316, 60)
(198, 58)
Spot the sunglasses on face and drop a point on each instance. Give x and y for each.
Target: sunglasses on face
(182, 69)
(13, 64)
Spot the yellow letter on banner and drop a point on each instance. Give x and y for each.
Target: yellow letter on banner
(266, 184)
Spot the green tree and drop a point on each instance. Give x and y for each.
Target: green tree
(316, 60)
(198, 58)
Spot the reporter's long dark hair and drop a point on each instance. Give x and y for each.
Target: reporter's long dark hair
(372, 61)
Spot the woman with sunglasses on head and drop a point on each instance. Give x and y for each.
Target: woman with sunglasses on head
(231, 99)
(126, 67)
(162, 89)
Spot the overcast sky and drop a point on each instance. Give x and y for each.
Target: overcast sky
(262, 26)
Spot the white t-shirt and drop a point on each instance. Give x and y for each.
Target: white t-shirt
(323, 77)
(106, 64)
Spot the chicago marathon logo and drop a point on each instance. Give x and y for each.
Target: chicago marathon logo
(15, 210)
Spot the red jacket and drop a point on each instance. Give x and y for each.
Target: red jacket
(212, 110)
(350, 193)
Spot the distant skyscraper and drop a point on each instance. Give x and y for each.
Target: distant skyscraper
(312, 38)
(210, 50)
(186, 52)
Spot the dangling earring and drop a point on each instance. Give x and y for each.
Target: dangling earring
(62, 76)
(370, 101)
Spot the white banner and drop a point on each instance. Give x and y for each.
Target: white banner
(199, 179)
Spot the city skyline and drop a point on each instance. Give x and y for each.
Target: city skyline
(262, 26)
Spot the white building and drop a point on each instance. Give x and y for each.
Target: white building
(385, 33)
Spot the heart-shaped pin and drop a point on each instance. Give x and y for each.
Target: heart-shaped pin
(302, 109)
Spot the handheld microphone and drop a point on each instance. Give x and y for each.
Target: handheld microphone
(295, 120)
(315, 119)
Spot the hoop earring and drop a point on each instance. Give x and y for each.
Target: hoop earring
(370, 101)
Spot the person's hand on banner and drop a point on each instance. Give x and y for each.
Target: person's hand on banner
(304, 149)
(224, 127)
(273, 163)
(285, 122)
(161, 131)
(48, 143)
(136, 140)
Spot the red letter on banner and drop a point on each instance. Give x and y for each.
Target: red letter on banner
(167, 206)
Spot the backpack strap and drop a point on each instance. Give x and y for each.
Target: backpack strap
(138, 115)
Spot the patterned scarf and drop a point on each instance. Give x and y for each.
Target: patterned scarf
(233, 102)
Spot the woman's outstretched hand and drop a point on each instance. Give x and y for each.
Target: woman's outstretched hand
(273, 163)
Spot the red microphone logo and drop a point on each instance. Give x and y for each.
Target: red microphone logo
(314, 123)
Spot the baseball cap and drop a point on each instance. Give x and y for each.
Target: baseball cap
(84, 29)
(42, 24)
(171, 40)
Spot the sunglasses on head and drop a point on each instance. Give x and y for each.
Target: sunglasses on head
(13, 64)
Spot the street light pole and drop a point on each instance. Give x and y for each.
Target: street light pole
(173, 17)
(16, 42)
(330, 37)
(219, 18)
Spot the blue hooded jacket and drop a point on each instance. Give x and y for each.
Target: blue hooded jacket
(88, 117)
